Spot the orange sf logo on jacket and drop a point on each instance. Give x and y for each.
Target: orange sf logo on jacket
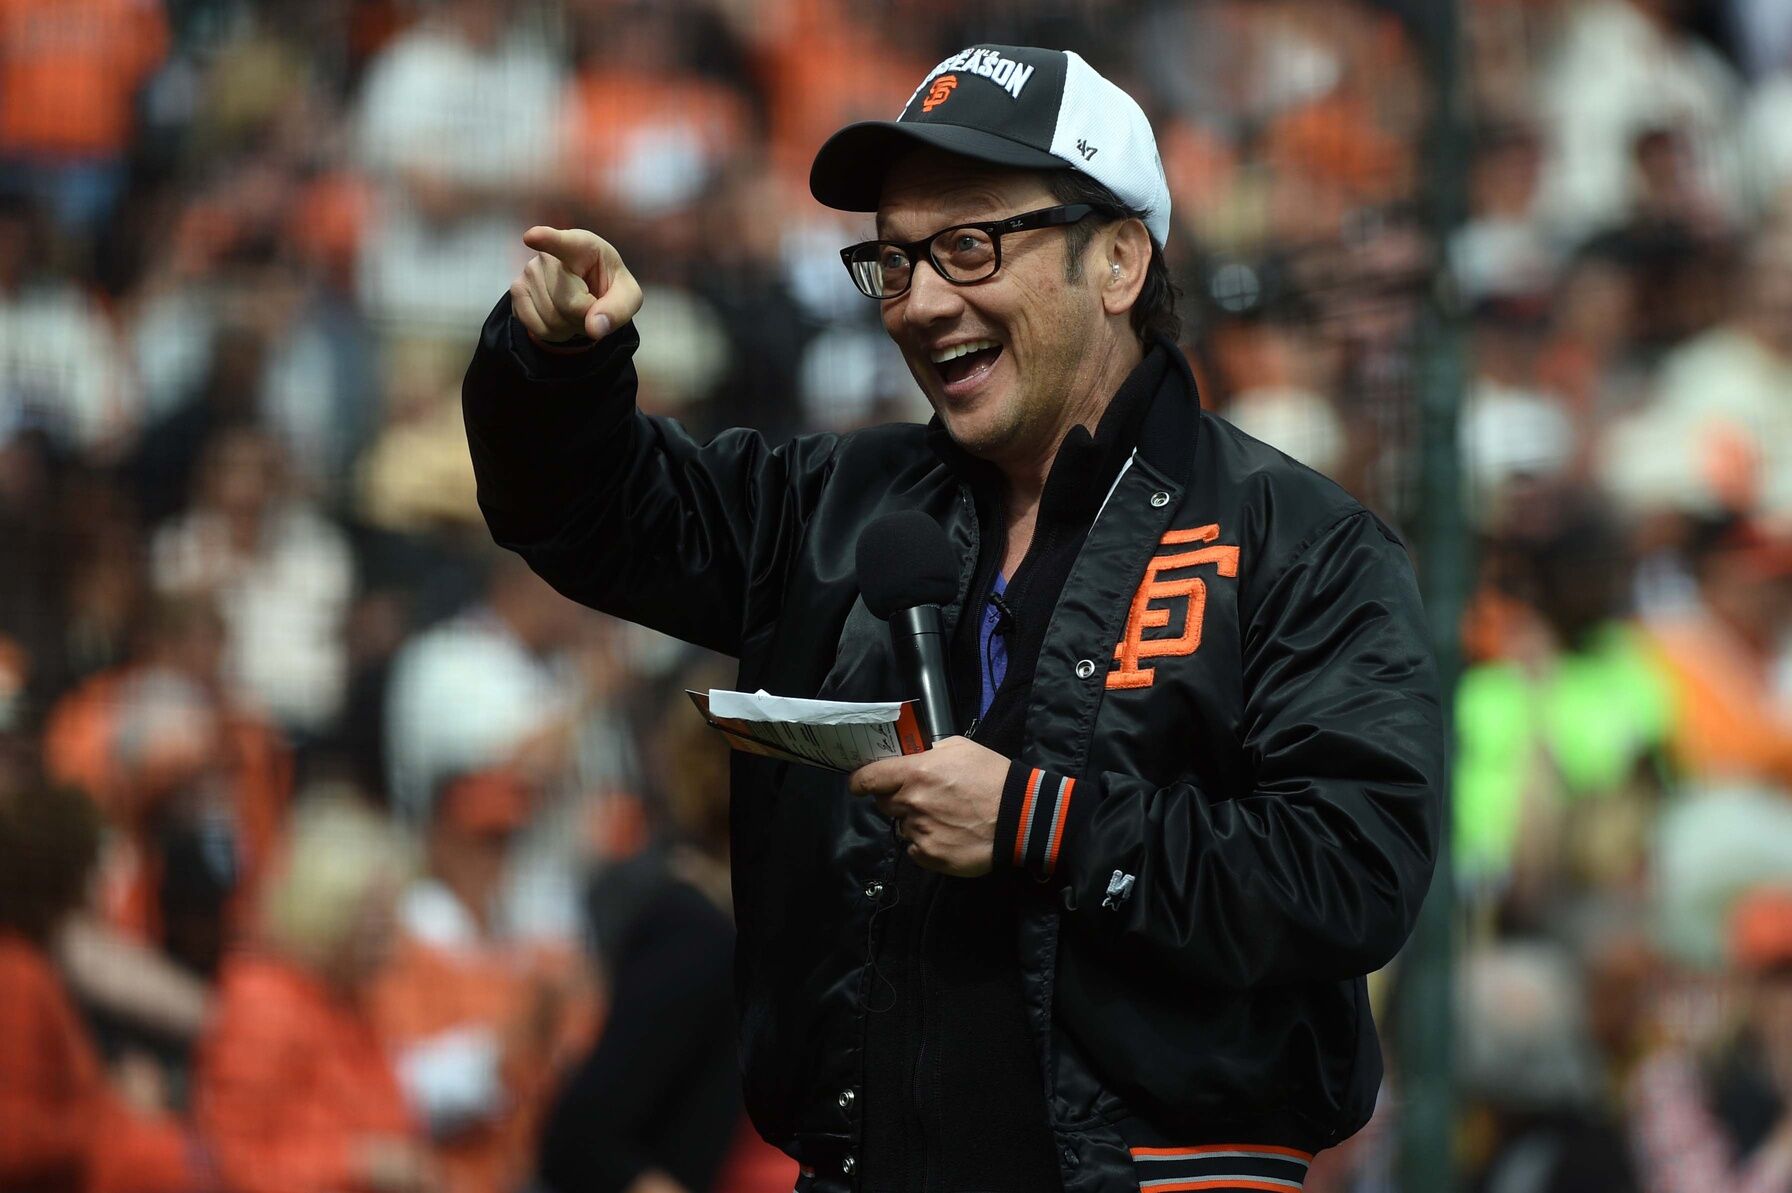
(1149, 612)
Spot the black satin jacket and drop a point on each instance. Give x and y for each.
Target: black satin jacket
(1236, 678)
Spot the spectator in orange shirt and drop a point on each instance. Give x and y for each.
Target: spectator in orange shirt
(63, 1127)
(70, 71)
(177, 768)
(294, 1090)
(1732, 723)
(476, 1021)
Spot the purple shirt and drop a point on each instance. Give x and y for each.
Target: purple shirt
(992, 645)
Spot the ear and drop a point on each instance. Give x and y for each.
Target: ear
(1126, 256)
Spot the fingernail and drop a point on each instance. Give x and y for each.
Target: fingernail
(602, 324)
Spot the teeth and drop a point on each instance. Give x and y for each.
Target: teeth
(958, 350)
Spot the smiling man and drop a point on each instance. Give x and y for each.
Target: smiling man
(1115, 936)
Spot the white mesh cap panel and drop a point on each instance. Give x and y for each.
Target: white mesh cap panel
(1103, 132)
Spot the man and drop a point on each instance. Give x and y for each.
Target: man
(1117, 932)
(478, 1021)
(516, 681)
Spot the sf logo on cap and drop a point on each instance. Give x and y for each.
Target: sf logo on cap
(942, 91)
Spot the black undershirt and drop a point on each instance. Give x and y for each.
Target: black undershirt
(954, 1099)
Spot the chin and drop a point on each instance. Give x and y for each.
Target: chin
(978, 437)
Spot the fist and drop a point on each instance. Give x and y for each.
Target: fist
(944, 802)
(576, 282)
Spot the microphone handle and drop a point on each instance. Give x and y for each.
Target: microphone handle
(920, 644)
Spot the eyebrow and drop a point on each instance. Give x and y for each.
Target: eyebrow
(991, 210)
(884, 232)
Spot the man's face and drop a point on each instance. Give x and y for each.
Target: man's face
(1013, 400)
(470, 862)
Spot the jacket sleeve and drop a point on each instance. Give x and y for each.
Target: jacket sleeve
(1318, 871)
(627, 513)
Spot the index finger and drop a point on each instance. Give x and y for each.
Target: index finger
(575, 248)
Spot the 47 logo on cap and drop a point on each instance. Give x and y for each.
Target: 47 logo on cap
(942, 91)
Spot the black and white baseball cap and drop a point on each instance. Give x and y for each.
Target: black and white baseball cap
(1010, 106)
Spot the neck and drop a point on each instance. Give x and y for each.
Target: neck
(475, 900)
(471, 891)
(515, 617)
(1085, 402)
(1769, 336)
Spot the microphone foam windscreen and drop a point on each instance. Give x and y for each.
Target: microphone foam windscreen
(904, 560)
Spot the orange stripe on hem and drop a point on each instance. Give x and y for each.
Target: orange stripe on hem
(1221, 1184)
(1051, 850)
(1221, 1147)
(1026, 819)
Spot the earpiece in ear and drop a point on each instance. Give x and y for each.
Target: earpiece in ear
(1115, 270)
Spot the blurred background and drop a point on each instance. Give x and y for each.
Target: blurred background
(338, 853)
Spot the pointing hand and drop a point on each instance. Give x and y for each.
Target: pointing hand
(576, 282)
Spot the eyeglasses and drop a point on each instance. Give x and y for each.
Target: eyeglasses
(962, 254)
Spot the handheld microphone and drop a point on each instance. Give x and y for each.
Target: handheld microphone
(906, 572)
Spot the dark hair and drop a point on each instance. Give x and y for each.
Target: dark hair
(49, 841)
(691, 774)
(1154, 313)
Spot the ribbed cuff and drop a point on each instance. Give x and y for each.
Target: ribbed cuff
(579, 342)
(1039, 820)
(575, 358)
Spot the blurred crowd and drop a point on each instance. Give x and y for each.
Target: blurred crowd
(339, 853)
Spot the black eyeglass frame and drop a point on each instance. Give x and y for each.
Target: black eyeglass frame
(1043, 217)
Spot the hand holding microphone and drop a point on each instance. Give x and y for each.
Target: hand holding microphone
(945, 799)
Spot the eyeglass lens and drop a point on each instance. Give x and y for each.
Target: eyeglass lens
(962, 255)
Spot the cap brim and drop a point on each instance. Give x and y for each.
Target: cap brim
(849, 170)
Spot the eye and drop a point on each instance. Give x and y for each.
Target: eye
(966, 243)
(894, 259)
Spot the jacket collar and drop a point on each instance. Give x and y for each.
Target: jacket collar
(1155, 410)
(1172, 426)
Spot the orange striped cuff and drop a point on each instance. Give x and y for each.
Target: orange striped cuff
(1217, 1167)
(1036, 820)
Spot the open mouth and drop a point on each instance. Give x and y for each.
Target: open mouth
(963, 365)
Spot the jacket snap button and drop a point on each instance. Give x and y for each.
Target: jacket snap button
(1085, 668)
(845, 1098)
(1069, 1156)
(873, 890)
(1160, 499)
(848, 1164)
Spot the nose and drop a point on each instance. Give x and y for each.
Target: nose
(930, 297)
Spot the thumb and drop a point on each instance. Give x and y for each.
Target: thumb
(617, 304)
(882, 777)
